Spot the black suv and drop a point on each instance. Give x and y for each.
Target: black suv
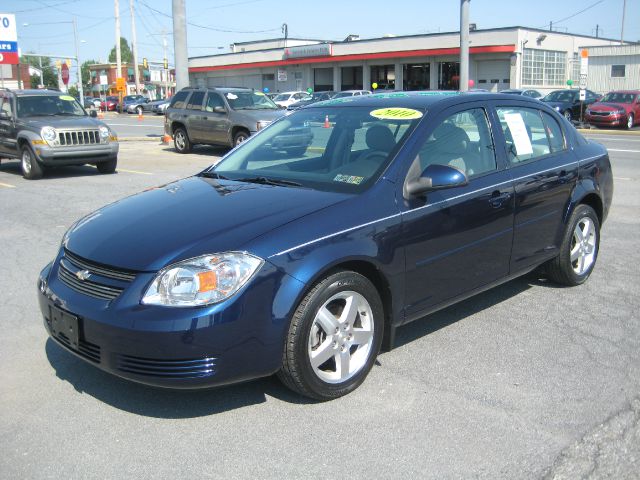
(47, 128)
(218, 116)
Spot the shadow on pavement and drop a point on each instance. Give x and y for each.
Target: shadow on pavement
(201, 150)
(13, 167)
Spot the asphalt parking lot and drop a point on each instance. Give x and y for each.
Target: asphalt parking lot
(527, 380)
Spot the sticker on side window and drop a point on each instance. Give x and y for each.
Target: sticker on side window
(231, 96)
(352, 179)
(519, 133)
(396, 113)
(68, 98)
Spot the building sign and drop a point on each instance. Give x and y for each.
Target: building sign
(8, 40)
(282, 75)
(304, 51)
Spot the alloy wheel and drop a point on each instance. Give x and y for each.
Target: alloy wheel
(341, 337)
(583, 246)
(26, 161)
(180, 140)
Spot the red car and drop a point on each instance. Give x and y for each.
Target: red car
(109, 104)
(616, 109)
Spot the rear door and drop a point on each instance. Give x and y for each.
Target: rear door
(196, 121)
(544, 172)
(458, 239)
(8, 140)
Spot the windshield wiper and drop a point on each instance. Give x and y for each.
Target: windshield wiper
(269, 181)
(212, 175)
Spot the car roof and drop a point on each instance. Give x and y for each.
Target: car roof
(419, 99)
(36, 92)
(635, 92)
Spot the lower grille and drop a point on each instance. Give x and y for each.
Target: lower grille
(193, 368)
(86, 350)
(87, 287)
(601, 114)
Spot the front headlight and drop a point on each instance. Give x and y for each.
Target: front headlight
(202, 280)
(48, 134)
(104, 132)
(557, 109)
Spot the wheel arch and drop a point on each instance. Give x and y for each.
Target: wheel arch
(176, 125)
(238, 128)
(586, 193)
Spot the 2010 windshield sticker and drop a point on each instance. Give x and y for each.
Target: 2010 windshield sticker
(397, 113)
(259, 93)
(352, 179)
(231, 96)
(68, 98)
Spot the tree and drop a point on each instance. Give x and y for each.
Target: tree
(50, 77)
(86, 75)
(73, 91)
(125, 52)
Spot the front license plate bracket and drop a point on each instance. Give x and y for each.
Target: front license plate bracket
(66, 324)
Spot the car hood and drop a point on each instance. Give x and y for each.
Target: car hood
(63, 122)
(187, 218)
(254, 116)
(607, 107)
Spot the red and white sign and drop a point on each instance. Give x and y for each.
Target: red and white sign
(64, 73)
(8, 39)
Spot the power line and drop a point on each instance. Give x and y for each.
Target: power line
(575, 14)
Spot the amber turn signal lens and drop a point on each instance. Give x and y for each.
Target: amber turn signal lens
(208, 281)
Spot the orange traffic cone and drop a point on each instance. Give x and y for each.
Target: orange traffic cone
(166, 139)
(140, 117)
(326, 122)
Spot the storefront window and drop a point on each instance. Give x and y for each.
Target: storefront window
(351, 78)
(416, 76)
(448, 76)
(544, 67)
(384, 76)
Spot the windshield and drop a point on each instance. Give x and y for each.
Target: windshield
(249, 100)
(561, 96)
(341, 149)
(49, 105)
(283, 97)
(615, 97)
(343, 94)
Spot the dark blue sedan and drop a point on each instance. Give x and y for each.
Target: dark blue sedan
(305, 262)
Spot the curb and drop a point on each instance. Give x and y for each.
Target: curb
(600, 131)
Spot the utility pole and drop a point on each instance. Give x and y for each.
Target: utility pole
(464, 45)
(597, 30)
(180, 44)
(75, 38)
(624, 9)
(165, 60)
(135, 48)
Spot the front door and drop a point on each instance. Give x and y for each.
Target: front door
(458, 239)
(217, 128)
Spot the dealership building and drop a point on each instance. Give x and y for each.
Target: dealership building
(500, 58)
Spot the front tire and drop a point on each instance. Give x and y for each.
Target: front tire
(567, 114)
(579, 248)
(240, 137)
(107, 167)
(31, 167)
(630, 121)
(334, 337)
(139, 110)
(181, 141)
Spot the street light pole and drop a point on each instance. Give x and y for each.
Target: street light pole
(134, 41)
(75, 38)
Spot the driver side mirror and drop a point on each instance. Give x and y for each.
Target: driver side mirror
(219, 109)
(4, 115)
(93, 113)
(435, 177)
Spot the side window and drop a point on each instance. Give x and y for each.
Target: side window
(195, 102)
(5, 105)
(554, 133)
(213, 100)
(179, 99)
(463, 141)
(525, 135)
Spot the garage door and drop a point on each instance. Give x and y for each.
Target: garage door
(494, 75)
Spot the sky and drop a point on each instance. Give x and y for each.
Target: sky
(214, 24)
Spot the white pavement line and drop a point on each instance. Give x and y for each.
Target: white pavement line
(613, 139)
(7, 185)
(133, 125)
(622, 178)
(134, 171)
(619, 150)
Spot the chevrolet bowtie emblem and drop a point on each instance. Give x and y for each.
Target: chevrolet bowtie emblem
(83, 275)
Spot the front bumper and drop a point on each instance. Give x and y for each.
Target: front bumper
(238, 339)
(77, 154)
(606, 120)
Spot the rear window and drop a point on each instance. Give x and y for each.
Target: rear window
(179, 99)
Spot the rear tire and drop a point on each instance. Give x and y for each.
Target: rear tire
(578, 250)
(107, 167)
(334, 337)
(31, 167)
(181, 141)
(567, 114)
